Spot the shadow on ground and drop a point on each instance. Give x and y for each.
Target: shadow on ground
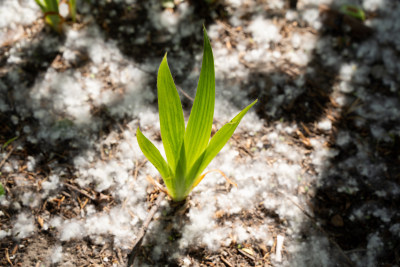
(355, 204)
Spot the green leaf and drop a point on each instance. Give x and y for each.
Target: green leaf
(153, 155)
(172, 124)
(216, 144)
(179, 179)
(353, 11)
(9, 141)
(72, 9)
(41, 5)
(198, 130)
(51, 13)
(2, 191)
(52, 5)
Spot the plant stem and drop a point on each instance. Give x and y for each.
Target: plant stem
(138, 242)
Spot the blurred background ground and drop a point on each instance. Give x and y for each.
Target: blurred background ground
(316, 160)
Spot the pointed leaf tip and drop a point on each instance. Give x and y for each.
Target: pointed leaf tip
(198, 130)
(172, 123)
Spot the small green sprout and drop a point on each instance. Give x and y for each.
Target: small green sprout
(190, 150)
(353, 11)
(2, 191)
(9, 141)
(52, 15)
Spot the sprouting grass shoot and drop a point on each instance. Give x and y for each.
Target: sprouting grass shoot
(189, 151)
(52, 15)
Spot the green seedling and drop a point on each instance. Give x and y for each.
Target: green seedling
(353, 11)
(2, 191)
(9, 141)
(190, 150)
(52, 15)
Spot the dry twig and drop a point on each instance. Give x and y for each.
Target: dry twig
(226, 262)
(251, 257)
(9, 154)
(143, 230)
(79, 191)
(185, 94)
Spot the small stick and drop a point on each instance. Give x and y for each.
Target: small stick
(143, 230)
(156, 184)
(185, 94)
(226, 262)
(215, 170)
(79, 191)
(8, 257)
(8, 155)
(17, 142)
(246, 254)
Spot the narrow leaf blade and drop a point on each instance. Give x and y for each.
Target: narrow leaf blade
(172, 124)
(52, 5)
(153, 155)
(198, 130)
(9, 141)
(41, 5)
(216, 144)
(2, 191)
(72, 9)
(179, 179)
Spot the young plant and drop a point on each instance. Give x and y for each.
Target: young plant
(52, 15)
(190, 150)
(2, 191)
(353, 11)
